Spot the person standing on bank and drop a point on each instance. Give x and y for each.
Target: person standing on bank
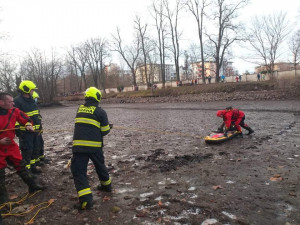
(28, 141)
(91, 124)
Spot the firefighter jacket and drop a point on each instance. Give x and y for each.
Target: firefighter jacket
(8, 119)
(233, 115)
(91, 124)
(29, 106)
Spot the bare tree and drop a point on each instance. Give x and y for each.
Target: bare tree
(224, 14)
(266, 35)
(7, 75)
(154, 70)
(186, 66)
(129, 54)
(197, 8)
(142, 32)
(160, 24)
(54, 69)
(97, 53)
(71, 78)
(173, 17)
(78, 58)
(294, 46)
(42, 71)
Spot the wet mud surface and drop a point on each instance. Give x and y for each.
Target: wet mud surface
(164, 173)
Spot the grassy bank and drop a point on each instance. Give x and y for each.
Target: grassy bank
(210, 88)
(289, 86)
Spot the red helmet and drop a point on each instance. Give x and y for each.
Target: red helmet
(221, 113)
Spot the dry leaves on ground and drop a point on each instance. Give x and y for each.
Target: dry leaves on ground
(217, 187)
(276, 177)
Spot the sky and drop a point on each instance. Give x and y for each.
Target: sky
(58, 24)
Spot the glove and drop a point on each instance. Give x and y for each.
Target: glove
(29, 127)
(5, 141)
(111, 125)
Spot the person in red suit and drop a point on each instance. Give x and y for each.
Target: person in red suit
(9, 150)
(235, 116)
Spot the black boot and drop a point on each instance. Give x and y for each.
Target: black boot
(28, 179)
(105, 188)
(34, 169)
(1, 219)
(3, 191)
(250, 131)
(84, 205)
(220, 130)
(45, 161)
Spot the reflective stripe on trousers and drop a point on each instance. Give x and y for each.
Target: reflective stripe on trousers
(97, 144)
(105, 183)
(85, 191)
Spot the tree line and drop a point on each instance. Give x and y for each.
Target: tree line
(218, 28)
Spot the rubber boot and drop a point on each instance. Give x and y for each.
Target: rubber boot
(250, 131)
(105, 188)
(1, 223)
(28, 179)
(34, 169)
(220, 130)
(3, 191)
(240, 133)
(84, 205)
(44, 160)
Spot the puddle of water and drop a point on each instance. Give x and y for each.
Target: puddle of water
(124, 190)
(158, 198)
(231, 216)
(195, 211)
(117, 156)
(61, 162)
(230, 182)
(142, 207)
(68, 137)
(194, 196)
(209, 222)
(144, 195)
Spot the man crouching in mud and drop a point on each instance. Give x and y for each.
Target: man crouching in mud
(235, 116)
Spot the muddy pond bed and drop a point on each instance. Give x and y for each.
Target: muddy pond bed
(164, 173)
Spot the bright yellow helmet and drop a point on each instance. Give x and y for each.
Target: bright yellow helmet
(35, 95)
(93, 92)
(26, 86)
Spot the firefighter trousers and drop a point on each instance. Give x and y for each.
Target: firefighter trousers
(28, 142)
(79, 165)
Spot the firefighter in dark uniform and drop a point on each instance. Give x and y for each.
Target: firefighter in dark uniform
(9, 150)
(41, 160)
(91, 124)
(28, 141)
